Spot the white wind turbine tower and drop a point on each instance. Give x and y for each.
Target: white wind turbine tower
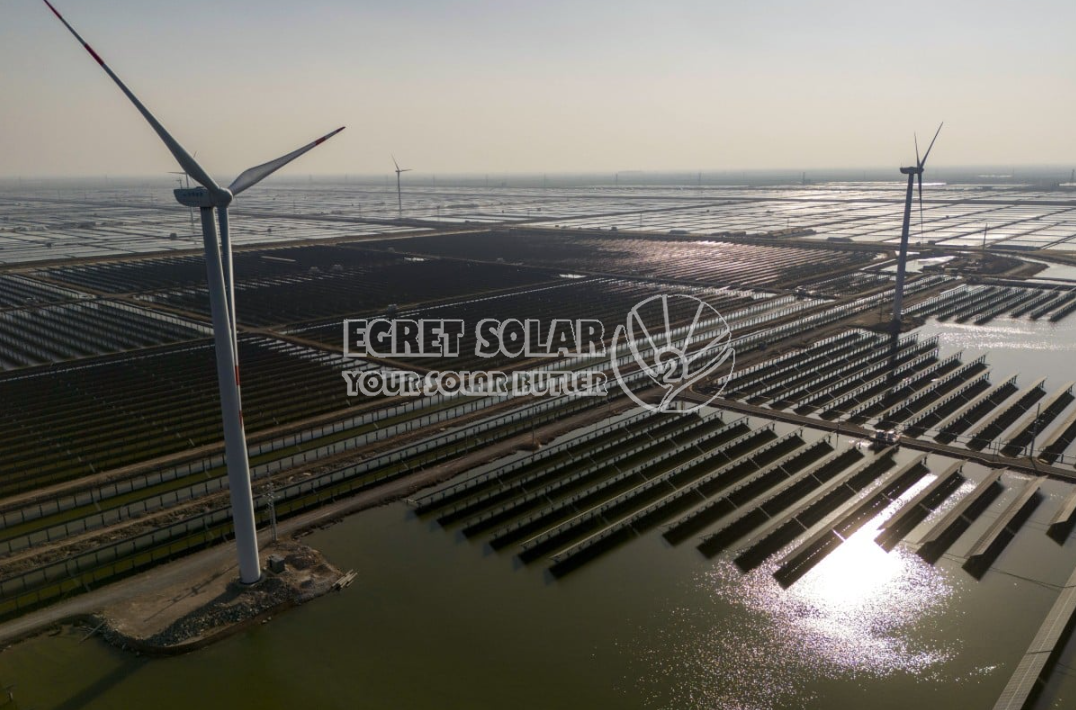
(399, 192)
(218, 257)
(914, 173)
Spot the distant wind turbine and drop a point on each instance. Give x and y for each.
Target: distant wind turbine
(218, 258)
(915, 174)
(399, 191)
(188, 179)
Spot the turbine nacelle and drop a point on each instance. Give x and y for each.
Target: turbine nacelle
(911, 170)
(201, 197)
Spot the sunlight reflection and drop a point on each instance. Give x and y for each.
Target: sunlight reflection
(759, 646)
(852, 575)
(853, 611)
(1005, 333)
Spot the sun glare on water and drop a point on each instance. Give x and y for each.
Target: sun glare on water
(851, 615)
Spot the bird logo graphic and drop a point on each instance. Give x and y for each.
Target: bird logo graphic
(673, 357)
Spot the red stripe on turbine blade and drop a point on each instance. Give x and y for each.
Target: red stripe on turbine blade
(237, 375)
(54, 12)
(94, 54)
(321, 140)
(240, 417)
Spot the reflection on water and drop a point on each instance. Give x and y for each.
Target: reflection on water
(1006, 334)
(915, 266)
(1053, 271)
(850, 616)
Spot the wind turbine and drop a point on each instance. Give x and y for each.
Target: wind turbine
(218, 258)
(399, 193)
(915, 174)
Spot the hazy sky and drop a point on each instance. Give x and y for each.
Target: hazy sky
(525, 86)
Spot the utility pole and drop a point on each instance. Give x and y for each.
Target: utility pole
(271, 498)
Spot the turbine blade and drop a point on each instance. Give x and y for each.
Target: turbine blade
(178, 152)
(394, 162)
(252, 176)
(923, 162)
(916, 139)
